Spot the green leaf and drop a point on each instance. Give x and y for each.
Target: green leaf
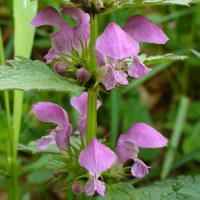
(44, 162)
(133, 3)
(163, 58)
(182, 188)
(34, 75)
(40, 177)
(141, 3)
(196, 53)
(32, 148)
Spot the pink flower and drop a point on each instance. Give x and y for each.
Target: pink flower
(67, 38)
(52, 113)
(96, 158)
(140, 135)
(116, 44)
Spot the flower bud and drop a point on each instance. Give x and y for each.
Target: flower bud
(60, 68)
(77, 188)
(100, 5)
(82, 74)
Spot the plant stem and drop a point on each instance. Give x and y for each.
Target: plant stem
(93, 37)
(9, 179)
(92, 93)
(91, 116)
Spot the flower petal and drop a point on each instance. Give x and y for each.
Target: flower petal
(51, 55)
(48, 16)
(50, 112)
(121, 77)
(115, 43)
(80, 103)
(126, 150)
(81, 32)
(97, 158)
(101, 188)
(139, 169)
(109, 80)
(62, 40)
(138, 69)
(82, 125)
(62, 137)
(91, 186)
(45, 141)
(141, 29)
(145, 136)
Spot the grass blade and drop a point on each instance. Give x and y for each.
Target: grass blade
(176, 135)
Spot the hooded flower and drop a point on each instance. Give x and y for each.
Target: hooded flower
(116, 44)
(67, 38)
(52, 113)
(81, 105)
(140, 135)
(96, 158)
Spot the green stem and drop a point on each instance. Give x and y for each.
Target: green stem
(17, 115)
(10, 151)
(93, 37)
(91, 116)
(92, 93)
(13, 138)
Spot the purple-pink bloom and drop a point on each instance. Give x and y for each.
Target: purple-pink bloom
(66, 38)
(140, 135)
(137, 69)
(81, 104)
(116, 44)
(114, 76)
(96, 158)
(52, 113)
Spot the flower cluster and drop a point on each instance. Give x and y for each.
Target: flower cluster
(112, 49)
(116, 52)
(96, 158)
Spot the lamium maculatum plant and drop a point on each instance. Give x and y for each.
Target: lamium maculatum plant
(100, 63)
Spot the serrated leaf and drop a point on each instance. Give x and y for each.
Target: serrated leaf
(133, 3)
(179, 2)
(26, 74)
(182, 188)
(141, 3)
(163, 58)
